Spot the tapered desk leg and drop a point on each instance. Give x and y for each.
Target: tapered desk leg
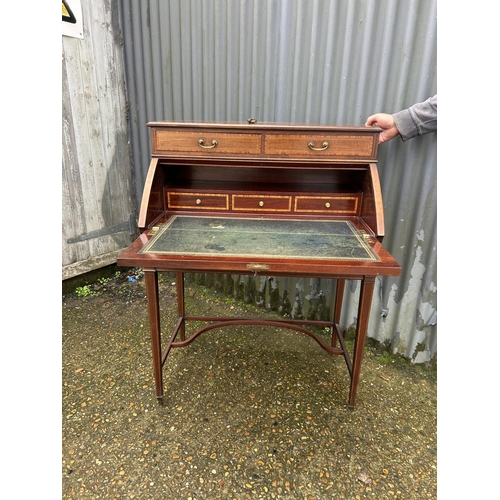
(339, 297)
(179, 281)
(151, 280)
(365, 302)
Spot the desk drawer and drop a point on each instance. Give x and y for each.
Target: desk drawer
(198, 201)
(346, 204)
(205, 143)
(320, 145)
(262, 203)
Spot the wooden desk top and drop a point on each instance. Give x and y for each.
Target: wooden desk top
(266, 246)
(294, 200)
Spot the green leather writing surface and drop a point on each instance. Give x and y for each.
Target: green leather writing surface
(255, 237)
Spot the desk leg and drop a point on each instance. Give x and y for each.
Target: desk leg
(339, 297)
(179, 281)
(365, 302)
(151, 280)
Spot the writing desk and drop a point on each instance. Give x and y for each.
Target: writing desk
(268, 199)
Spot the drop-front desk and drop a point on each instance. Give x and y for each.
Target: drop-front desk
(268, 199)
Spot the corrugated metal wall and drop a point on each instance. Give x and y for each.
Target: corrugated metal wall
(316, 61)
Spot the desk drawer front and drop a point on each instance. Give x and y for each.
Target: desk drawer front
(348, 205)
(264, 203)
(320, 146)
(213, 143)
(198, 201)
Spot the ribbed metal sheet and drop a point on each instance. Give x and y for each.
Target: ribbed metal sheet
(314, 61)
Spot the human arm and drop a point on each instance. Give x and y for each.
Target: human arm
(419, 119)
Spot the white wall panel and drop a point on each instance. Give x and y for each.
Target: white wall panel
(97, 188)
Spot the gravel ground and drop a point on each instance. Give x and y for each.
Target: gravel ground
(249, 412)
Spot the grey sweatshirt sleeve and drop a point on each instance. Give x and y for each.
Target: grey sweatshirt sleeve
(419, 119)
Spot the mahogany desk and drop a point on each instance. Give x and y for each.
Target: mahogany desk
(270, 199)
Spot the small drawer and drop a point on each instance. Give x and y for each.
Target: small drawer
(205, 143)
(261, 203)
(348, 205)
(198, 201)
(321, 145)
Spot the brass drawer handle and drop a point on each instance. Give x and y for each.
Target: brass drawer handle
(325, 146)
(327, 205)
(201, 142)
(198, 201)
(261, 203)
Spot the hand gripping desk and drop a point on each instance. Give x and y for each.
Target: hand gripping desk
(271, 199)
